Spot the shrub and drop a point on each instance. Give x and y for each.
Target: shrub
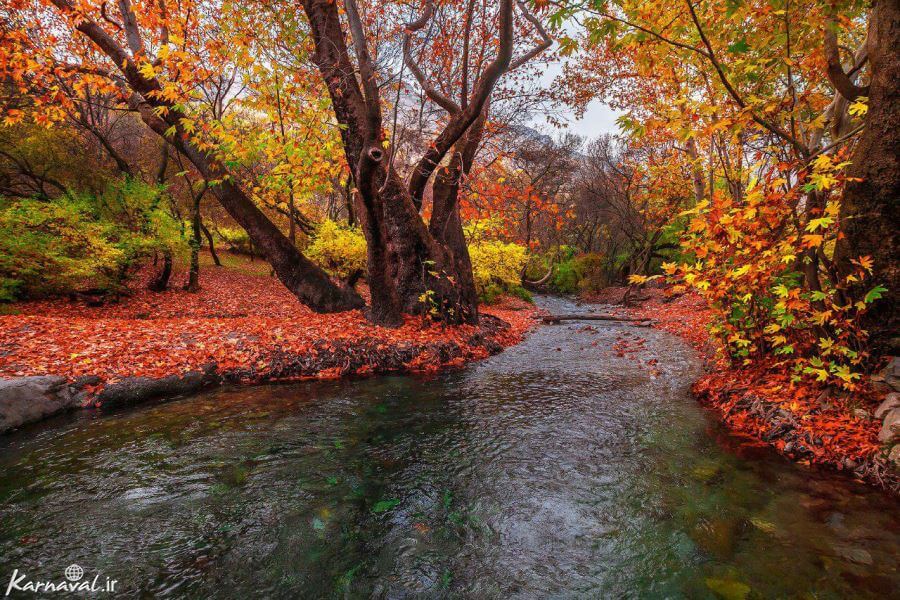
(235, 238)
(497, 267)
(339, 249)
(75, 243)
(592, 270)
(565, 278)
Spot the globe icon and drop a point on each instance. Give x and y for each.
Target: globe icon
(74, 572)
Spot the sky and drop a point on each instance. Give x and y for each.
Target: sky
(598, 118)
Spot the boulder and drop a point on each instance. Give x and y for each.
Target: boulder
(134, 390)
(891, 401)
(894, 456)
(29, 399)
(890, 375)
(890, 429)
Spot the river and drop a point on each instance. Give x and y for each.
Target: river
(558, 468)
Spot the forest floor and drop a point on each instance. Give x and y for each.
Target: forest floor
(243, 323)
(805, 422)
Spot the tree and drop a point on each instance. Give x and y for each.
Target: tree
(870, 209)
(409, 269)
(154, 56)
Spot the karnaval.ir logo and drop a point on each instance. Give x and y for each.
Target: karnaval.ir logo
(74, 582)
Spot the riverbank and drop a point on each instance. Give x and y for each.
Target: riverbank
(808, 424)
(242, 327)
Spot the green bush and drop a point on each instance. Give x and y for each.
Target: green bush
(565, 278)
(339, 249)
(235, 238)
(80, 242)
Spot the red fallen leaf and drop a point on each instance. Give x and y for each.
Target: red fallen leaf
(237, 320)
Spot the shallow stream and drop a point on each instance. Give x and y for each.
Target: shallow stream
(555, 469)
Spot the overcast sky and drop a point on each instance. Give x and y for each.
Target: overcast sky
(598, 118)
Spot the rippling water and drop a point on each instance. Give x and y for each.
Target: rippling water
(556, 469)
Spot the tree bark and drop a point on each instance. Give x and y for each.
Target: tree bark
(870, 211)
(408, 270)
(160, 282)
(446, 222)
(193, 282)
(212, 247)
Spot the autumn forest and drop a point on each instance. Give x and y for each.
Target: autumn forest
(455, 298)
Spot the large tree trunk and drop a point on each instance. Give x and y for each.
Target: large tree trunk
(408, 271)
(446, 222)
(870, 211)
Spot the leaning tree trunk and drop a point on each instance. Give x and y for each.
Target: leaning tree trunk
(301, 276)
(870, 211)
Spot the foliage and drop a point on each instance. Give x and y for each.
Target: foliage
(235, 238)
(753, 265)
(79, 242)
(339, 249)
(736, 129)
(497, 268)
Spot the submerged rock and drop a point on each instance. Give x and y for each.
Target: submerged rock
(728, 589)
(29, 399)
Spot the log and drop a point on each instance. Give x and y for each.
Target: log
(559, 318)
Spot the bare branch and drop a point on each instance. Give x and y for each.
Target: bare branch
(546, 40)
(432, 92)
(132, 33)
(461, 121)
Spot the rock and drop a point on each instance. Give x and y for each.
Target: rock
(891, 401)
(861, 413)
(134, 390)
(894, 457)
(890, 429)
(29, 399)
(857, 555)
(891, 374)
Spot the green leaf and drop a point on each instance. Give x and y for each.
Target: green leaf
(874, 294)
(385, 505)
(739, 46)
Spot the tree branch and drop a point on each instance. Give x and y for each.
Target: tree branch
(711, 55)
(432, 92)
(461, 121)
(836, 75)
(546, 40)
(366, 67)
